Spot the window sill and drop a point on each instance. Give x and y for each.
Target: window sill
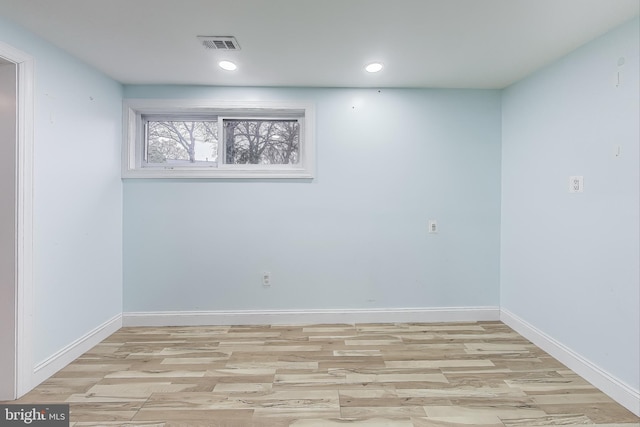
(215, 174)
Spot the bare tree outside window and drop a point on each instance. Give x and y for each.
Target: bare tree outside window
(182, 141)
(265, 142)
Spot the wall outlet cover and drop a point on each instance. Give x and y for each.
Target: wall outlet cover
(576, 184)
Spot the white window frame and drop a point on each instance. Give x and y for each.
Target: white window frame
(133, 165)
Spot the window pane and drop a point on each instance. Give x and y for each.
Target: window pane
(263, 142)
(182, 142)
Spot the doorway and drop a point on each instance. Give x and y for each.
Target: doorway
(8, 146)
(16, 222)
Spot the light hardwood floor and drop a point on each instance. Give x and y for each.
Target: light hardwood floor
(456, 374)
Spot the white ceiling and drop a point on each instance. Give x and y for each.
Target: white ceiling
(422, 43)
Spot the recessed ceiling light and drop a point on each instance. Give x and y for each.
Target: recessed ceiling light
(374, 67)
(227, 65)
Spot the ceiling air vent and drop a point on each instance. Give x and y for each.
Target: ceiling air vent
(219, 42)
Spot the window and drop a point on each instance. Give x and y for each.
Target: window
(191, 139)
(170, 141)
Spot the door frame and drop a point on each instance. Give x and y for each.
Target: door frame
(24, 296)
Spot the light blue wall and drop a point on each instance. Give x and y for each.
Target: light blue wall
(77, 194)
(569, 262)
(354, 237)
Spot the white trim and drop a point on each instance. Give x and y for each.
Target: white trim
(607, 383)
(133, 109)
(71, 352)
(304, 317)
(24, 217)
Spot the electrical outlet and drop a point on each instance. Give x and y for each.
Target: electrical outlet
(576, 184)
(266, 279)
(433, 226)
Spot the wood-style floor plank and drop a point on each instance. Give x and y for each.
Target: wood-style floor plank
(376, 375)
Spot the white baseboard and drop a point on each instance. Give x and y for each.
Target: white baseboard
(610, 385)
(305, 317)
(68, 354)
